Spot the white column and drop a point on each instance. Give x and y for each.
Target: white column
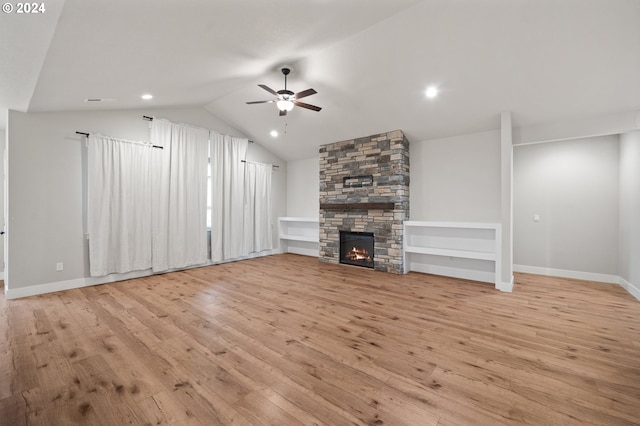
(506, 183)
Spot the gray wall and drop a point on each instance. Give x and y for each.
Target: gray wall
(456, 179)
(303, 187)
(47, 185)
(573, 186)
(630, 208)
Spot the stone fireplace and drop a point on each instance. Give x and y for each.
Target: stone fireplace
(364, 188)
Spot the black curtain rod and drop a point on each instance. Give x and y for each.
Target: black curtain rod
(146, 117)
(273, 165)
(85, 134)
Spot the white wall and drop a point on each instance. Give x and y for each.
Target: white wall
(303, 187)
(630, 209)
(47, 185)
(456, 178)
(573, 185)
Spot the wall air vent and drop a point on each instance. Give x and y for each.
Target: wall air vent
(95, 100)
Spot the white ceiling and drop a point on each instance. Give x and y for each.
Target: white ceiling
(369, 60)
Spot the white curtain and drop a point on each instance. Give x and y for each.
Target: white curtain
(119, 205)
(179, 195)
(257, 207)
(227, 196)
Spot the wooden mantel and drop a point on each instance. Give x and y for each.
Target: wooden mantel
(357, 206)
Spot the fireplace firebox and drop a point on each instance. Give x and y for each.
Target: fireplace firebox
(356, 248)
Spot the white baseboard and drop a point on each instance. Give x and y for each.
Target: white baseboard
(564, 273)
(633, 290)
(506, 287)
(34, 290)
(467, 274)
(578, 275)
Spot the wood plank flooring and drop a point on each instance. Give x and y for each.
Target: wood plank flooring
(286, 340)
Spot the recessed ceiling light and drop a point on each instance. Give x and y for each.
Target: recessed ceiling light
(147, 96)
(431, 92)
(274, 133)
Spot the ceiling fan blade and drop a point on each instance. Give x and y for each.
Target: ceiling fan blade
(269, 89)
(304, 93)
(307, 106)
(261, 102)
(283, 113)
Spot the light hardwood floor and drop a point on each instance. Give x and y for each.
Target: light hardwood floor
(286, 340)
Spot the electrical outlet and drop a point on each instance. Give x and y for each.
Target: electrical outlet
(59, 266)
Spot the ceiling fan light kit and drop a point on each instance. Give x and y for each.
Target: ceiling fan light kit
(286, 99)
(284, 105)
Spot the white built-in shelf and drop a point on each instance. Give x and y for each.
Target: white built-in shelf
(452, 253)
(298, 238)
(299, 235)
(466, 250)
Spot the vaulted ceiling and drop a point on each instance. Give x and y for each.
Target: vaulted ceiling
(369, 60)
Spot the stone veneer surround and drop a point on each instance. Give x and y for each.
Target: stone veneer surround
(381, 207)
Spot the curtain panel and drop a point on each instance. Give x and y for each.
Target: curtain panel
(179, 195)
(257, 208)
(227, 197)
(119, 205)
(148, 208)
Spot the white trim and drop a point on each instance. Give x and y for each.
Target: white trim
(588, 276)
(506, 287)
(34, 290)
(447, 271)
(578, 275)
(466, 254)
(300, 219)
(633, 290)
(472, 225)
